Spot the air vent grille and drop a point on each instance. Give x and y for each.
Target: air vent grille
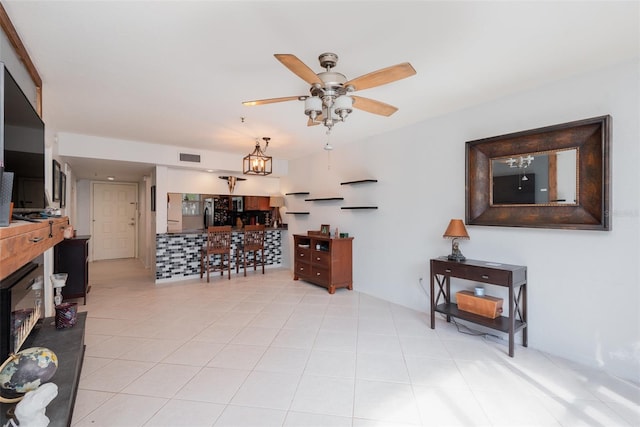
(193, 158)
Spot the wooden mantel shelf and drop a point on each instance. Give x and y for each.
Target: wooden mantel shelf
(23, 241)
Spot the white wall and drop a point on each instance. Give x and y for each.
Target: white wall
(583, 285)
(94, 147)
(82, 223)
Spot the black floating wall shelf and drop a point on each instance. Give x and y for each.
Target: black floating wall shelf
(297, 213)
(361, 181)
(359, 207)
(322, 199)
(297, 193)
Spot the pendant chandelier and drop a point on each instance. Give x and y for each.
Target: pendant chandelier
(257, 162)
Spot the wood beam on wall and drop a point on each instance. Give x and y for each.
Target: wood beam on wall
(21, 52)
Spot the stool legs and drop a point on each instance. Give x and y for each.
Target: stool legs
(243, 254)
(204, 258)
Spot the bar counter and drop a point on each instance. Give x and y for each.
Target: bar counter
(178, 253)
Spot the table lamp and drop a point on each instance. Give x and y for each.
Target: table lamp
(59, 280)
(276, 202)
(456, 230)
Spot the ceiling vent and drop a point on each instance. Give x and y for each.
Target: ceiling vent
(193, 158)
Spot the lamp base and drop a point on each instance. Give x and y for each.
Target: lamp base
(456, 257)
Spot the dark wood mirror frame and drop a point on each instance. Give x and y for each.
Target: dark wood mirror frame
(592, 212)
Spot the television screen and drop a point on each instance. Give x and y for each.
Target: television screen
(23, 140)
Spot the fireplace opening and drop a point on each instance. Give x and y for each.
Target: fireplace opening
(21, 305)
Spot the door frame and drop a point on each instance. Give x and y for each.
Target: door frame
(92, 218)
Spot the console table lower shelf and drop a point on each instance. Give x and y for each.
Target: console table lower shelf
(68, 345)
(500, 323)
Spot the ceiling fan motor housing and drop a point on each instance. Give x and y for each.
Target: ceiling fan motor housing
(328, 60)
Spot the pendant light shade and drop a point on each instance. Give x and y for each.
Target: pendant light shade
(257, 162)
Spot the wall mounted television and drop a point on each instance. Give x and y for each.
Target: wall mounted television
(22, 140)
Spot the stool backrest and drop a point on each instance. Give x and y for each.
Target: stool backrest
(219, 238)
(254, 236)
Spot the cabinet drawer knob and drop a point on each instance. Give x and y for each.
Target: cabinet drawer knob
(301, 254)
(317, 258)
(484, 276)
(301, 268)
(36, 239)
(317, 274)
(447, 270)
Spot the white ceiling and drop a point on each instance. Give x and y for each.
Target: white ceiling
(176, 72)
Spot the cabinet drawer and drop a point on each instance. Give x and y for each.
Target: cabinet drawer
(475, 273)
(303, 254)
(57, 230)
(18, 250)
(302, 269)
(321, 275)
(321, 258)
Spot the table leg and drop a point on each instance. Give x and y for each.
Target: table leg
(447, 297)
(525, 330)
(512, 321)
(433, 304)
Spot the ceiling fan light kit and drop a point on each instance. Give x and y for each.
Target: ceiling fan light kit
(331, 100)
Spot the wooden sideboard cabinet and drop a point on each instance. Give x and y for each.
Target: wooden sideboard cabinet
(71, 256)
(513, 277)
(323, 261)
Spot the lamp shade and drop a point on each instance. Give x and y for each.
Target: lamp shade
(276, 201)
(313, 104)
(456, 229)
(343, 105)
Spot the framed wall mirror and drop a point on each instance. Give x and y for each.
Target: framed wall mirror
(551, 177)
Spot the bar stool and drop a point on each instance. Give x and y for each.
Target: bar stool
(218, 243)
(253, 242)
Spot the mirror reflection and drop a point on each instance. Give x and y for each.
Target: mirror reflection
(195, 212)
(549, 177)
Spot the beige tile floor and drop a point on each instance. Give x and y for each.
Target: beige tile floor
(269, 351)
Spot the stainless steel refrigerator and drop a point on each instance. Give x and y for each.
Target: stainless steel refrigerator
(208, 212)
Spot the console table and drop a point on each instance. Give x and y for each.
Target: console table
(513, 277)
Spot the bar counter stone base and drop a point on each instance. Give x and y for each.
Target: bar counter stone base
(178, 254)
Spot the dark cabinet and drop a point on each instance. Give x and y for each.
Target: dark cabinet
(71, 256)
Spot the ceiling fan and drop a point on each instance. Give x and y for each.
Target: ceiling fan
(331, 100)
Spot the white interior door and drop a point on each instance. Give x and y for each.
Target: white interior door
(114, 220)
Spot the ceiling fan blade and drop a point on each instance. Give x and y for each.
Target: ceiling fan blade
(271, 100)
(382, 77)
(373, 106)
(298, 67)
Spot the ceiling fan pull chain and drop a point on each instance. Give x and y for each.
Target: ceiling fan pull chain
(328, 148)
